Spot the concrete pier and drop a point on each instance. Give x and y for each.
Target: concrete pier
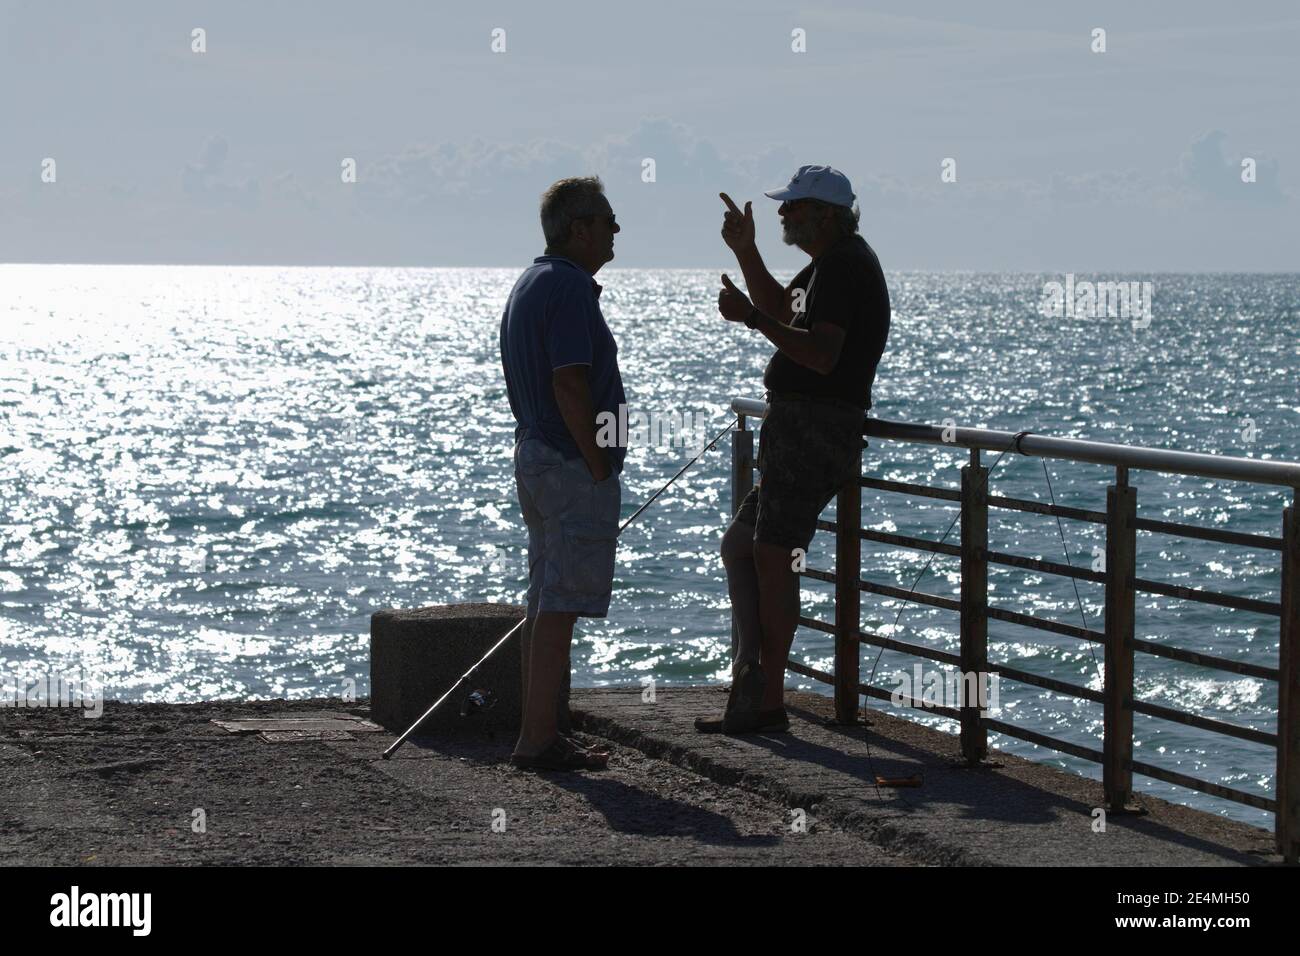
(310, 787)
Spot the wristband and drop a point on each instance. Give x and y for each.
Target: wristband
(750, 321)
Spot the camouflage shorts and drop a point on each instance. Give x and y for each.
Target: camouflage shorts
(807, 450)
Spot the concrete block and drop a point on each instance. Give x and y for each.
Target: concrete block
(416, 655)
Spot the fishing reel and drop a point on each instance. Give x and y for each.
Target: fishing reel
(477, 702)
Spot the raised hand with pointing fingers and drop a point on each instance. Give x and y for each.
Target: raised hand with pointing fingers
(737, 226)
(732, 303)
(818, 384)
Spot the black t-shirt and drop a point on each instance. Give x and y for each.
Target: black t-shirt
(846, 287)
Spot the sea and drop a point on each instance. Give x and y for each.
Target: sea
(211, 477)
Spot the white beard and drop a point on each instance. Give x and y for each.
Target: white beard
(793, 235)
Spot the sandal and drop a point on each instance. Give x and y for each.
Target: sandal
(561, 755)
(773, 721)
(573, 741)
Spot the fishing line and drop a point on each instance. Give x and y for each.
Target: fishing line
(988, 473)
(1015, 443)
(1101, 681)
(508, 634)
(1078, 600)
(679, 473)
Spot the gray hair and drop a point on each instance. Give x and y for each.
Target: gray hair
(846, 219)
(567, 200)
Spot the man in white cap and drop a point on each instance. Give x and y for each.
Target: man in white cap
(829, 326)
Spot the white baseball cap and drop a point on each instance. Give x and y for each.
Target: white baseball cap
(816, 182)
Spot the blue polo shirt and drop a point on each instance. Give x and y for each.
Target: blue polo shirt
(552, 319)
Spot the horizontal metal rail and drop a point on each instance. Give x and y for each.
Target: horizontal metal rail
(901, 540)
(1150, 770)
(1047, 567)
(1205, 786)
(886, 590)
(889, 643)
(1048, 683)
(1175, 528)
(1208, 597)
(812, 672)
(907, 488)
(1205, 660)
(902, 594)
(1118, 576)
(1071, 449)
(1043, 624)
(1042, 740)
(1204, 723)
(879, 693)
(1181, 530)
(1045, 740)
(1042, 508)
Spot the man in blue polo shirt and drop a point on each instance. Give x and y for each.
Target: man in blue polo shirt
(561, 369)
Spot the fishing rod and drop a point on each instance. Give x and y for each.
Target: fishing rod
(510, 633)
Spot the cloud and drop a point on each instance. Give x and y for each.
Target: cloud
(685, 158)
(424, 175)
(286, 186)
(1103, 186)
(208, 183)
(474, 202)
(1208, 172)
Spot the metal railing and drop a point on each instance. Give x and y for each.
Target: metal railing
(1119, 578)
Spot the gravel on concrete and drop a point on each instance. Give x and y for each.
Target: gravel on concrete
(123, 790)
(132, 786)
(1011, 812)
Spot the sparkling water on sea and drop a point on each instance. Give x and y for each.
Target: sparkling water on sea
(212, 476)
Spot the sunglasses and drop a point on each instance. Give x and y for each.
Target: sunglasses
(609, 220)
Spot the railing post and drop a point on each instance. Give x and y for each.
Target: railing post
(742, 479)
(974, 604)
(848, 572)
(1287, 820)
(1121, 604)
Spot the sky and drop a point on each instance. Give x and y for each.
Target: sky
(1066, 159)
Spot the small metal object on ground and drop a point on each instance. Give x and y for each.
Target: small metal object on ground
(477, 702)
(913, 781)
(296, 736)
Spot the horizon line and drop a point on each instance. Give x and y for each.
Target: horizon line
(615, 268)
